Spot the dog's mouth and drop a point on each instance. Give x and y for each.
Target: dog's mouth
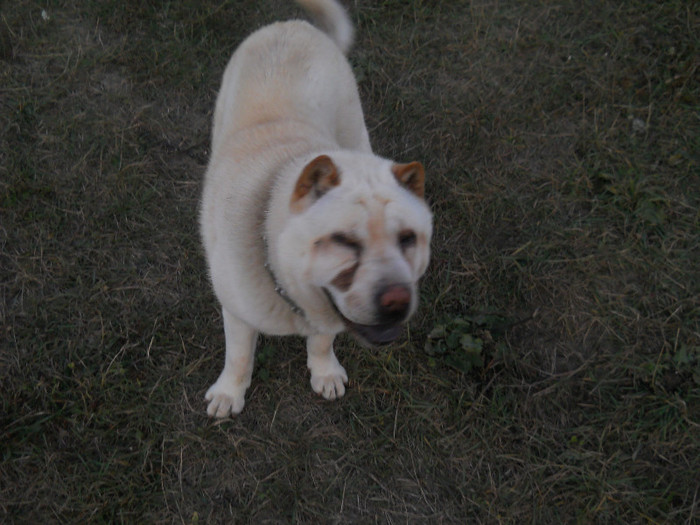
(380, 334)
(374, 334)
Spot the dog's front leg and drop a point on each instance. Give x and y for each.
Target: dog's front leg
(328, 377)
(227, 396)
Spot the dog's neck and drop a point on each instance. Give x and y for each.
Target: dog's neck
(279, 289)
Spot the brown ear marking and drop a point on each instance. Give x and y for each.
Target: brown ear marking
(411, 176)
(317, 177)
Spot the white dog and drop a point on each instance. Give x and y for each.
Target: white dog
(306, 231)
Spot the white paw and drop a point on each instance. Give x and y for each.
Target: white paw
(225, 399)
(332, 385)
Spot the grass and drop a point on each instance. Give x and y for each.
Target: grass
(552, 373)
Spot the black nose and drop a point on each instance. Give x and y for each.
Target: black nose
(393, 302)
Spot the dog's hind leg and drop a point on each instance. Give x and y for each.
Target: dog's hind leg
(328, 377)
(227, 396)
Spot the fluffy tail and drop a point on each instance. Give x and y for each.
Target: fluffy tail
(330, 16)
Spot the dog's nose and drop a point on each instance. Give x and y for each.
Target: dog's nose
(393, 302)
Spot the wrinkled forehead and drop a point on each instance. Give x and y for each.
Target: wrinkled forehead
(385, 210)
(408, 212)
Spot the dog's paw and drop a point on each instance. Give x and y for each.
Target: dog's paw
(330, 386)
(224, 399)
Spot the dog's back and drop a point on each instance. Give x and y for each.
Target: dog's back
(292, 65)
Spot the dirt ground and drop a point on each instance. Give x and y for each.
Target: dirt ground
(552, 372)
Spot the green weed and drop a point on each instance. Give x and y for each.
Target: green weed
(465, 343)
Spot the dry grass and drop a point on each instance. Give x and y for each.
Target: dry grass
(562, 146)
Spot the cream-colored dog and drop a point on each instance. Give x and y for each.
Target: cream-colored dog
(306, 231)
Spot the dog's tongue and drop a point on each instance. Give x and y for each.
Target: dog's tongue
(382, 334)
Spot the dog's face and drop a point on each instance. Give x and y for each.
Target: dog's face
(360, 233)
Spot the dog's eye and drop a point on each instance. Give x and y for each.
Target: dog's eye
(346, 241)
(407, 239)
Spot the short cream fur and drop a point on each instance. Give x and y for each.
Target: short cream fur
(305, 230)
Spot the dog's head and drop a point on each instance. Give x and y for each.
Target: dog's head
(360, 232)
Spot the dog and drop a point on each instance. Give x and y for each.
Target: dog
(305, 230)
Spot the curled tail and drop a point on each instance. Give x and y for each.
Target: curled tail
(330, 16)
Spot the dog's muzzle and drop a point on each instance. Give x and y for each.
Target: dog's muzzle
(392, 304)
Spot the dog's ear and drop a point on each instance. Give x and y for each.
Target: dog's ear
(318, 177)
(411, 176)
